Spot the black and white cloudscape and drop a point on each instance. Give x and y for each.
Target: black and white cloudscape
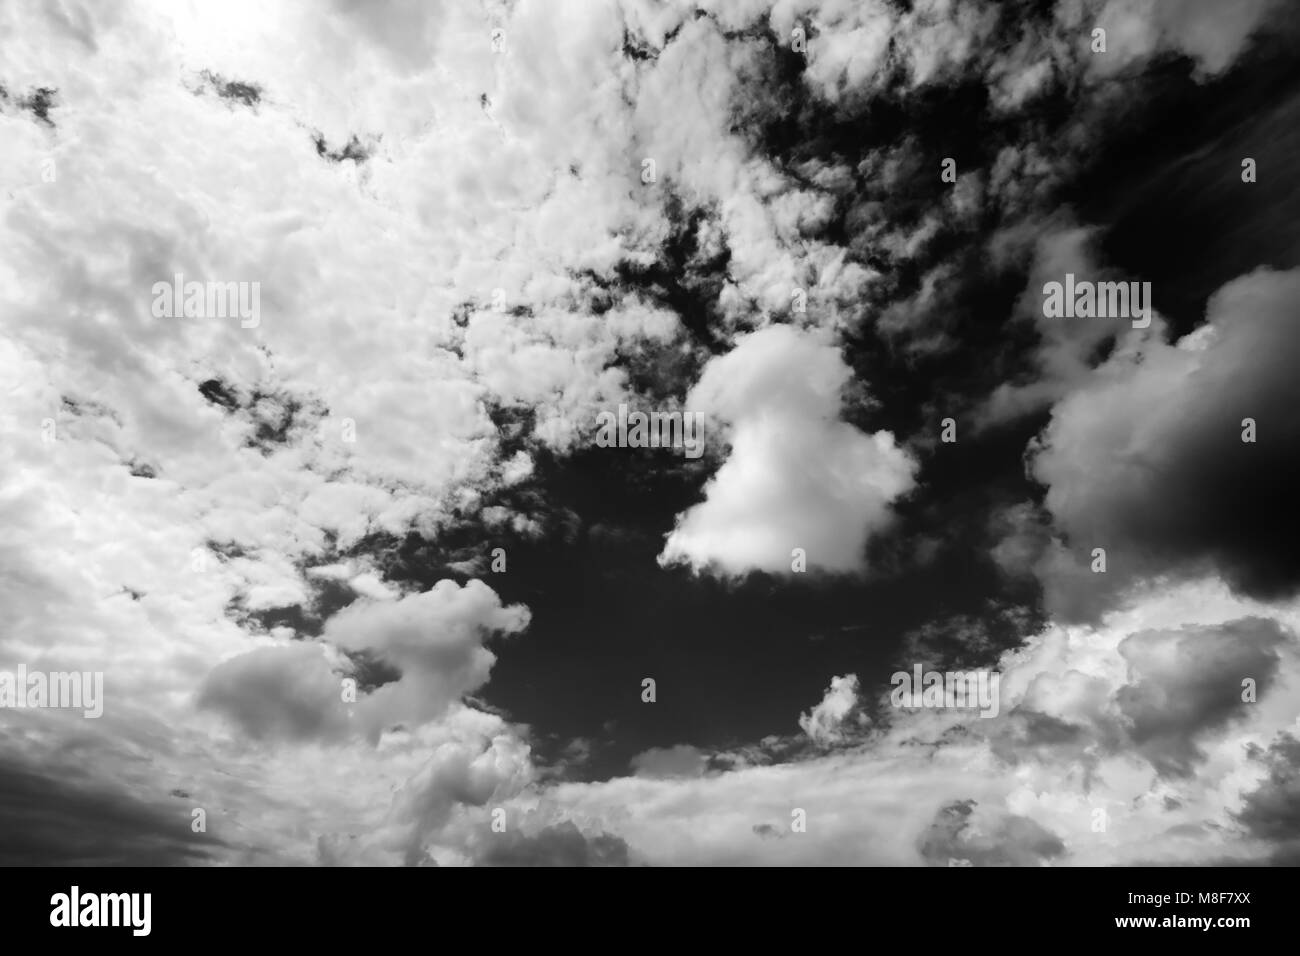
(626, 432)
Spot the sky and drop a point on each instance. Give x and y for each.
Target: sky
(364, 588)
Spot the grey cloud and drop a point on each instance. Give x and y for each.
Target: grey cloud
(279, 693)
(1187, 683)
(963, 831)
(560, 845)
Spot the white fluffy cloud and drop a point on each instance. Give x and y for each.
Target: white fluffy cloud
(435, 639)
(824, 724)
(796, 476)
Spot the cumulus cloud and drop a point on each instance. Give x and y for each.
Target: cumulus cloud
(796, 476)
(824, 724)
(458, 773)
(435, 639)
(1146, 459)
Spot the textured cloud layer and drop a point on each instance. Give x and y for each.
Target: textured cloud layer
(461, 261)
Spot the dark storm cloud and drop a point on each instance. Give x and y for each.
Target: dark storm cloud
(1148, 460)
(1271, 811)
(1163, 186)
(48, 820)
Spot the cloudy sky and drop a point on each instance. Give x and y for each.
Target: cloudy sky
(364, 588)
